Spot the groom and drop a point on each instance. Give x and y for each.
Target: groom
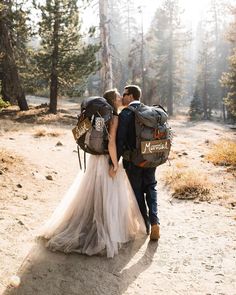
(141, 179)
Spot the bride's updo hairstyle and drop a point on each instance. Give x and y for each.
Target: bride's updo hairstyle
(110, 96)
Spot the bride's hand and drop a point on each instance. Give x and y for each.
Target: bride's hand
(112, 171)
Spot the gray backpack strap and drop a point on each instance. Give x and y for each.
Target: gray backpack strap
(84, 161)
(133, 109)
(80, 165)
(137, 127)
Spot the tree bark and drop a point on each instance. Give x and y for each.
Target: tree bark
(106, 70)
(170, 70)
(12, 89)
(205, 94)
(54, 74)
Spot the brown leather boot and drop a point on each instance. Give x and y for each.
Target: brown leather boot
(155, 232)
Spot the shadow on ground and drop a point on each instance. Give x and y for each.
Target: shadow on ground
(40, 115)
(47, 273)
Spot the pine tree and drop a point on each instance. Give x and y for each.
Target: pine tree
(64, 61)
(166, 41)
(229, 81)
(11, 23)
(106, 69)
(212, 54)
(122, 28)
(205, 77)
(196, 110)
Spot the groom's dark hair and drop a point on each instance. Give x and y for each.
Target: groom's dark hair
(135, 90)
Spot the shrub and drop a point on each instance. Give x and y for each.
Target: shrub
(40, 132)
(8, 159)
(223, 153)
(188, 183)
(3, 104)
(196, 109)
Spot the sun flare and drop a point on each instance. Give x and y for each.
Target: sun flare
(194, 10)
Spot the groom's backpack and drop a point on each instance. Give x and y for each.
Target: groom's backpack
(91, 131)
(153, 137)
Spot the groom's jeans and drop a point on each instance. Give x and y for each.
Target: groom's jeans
(143, 182)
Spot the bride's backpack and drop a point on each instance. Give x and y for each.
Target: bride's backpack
(153, 137)
(91, 131)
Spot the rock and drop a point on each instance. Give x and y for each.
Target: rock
(59, 143)
(19, 185)
(25, 197)
(184, 154)
(209, 267)
(20, 222)
(49, 177)
(194, 238)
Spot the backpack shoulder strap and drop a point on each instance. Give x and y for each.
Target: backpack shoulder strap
(137, 124)
(135, 110)
(131, 108)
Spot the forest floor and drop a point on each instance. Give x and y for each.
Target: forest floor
(196, 253)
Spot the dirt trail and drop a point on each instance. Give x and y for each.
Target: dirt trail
(195, 255)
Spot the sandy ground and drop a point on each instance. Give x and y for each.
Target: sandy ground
(195, 255)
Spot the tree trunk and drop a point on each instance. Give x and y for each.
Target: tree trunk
(170, 71)
(53, 92)
(54, 74)
(12, 89)
(205, 111)
(205, 94)
(223, 112)
(106, 70)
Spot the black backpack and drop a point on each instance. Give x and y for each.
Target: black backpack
(153, 137)
(91, 131)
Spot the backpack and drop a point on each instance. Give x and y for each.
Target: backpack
(153, 137)
(91, 132)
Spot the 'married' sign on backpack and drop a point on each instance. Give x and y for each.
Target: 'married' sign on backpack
(91, 131)
(153, 137)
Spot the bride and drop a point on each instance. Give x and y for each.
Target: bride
(99, 212)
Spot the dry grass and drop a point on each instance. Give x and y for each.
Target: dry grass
(40, 132)
(8, 160)
(223, 153)
(187, 183)
(181, 164)
(228, 200)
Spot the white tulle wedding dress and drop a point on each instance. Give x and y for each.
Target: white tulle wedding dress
(97, 215)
